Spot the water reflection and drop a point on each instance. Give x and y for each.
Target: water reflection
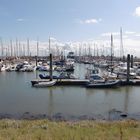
(17, 96)
(50, 103)
(109, 99)
(126, 99)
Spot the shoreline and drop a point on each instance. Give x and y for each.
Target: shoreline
(113, 115)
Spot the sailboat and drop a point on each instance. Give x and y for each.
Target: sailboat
(51, 82)
(111, 74)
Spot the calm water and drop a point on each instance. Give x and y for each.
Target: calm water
(17, 96)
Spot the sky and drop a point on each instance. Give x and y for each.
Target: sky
(72, 21)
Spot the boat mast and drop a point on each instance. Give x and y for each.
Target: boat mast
(94, 49)
(37, 48)
(89, 50)
(79, 50)
(49, 46)
(1, 47)
(111, 52)
(20, 50)
(8, 49)
(97, 52)
(17, 48)
(51, 77)
(28, 47)
(121, 45)
(11, 48)
(111, 48)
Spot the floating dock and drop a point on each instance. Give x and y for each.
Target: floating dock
(82, 82)
(133, 82)
(73, 82)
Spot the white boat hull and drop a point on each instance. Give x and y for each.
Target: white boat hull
(45, 84)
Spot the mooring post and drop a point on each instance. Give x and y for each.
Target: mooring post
(123, 58)
(128, 67)
(51, 67)
(36, 60)
(132, 61)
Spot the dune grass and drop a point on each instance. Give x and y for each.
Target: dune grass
(81, 130)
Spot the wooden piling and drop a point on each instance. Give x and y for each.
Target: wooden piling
(131, 61)
(128, 68)
(36, 59)
(51, 77)
(123, 58)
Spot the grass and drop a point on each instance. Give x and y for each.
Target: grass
(80, 130)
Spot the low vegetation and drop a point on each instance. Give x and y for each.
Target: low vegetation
(70, 130)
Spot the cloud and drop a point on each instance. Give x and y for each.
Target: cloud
(131, 45)
(109, 34)
(137, 12)
(137, 35)
(20, 19)
(91, 21)
(125, 34)
(129, 32)
(52, 39)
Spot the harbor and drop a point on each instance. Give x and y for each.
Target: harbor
(69, 70)
(100, 73)
(65, 102)
(55, 81)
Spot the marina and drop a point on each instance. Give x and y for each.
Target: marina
(71, 77)
(20, 100)
(69, 70)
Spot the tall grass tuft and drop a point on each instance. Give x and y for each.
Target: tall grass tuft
(80, 130)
